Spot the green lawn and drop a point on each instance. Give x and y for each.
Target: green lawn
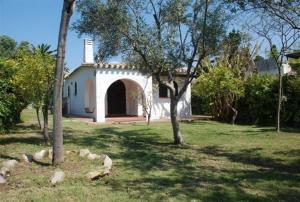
(219, 162)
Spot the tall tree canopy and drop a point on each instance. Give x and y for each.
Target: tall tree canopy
(35, 75)
(161, 37)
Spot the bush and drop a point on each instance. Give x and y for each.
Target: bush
(218, 90)
(291, 101)
(11, 102)
(258, 105)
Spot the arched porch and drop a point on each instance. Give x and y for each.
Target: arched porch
(124, 98)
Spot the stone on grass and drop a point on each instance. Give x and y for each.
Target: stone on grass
(97, 174)
(71, 152)
(57, 177)
(107, 163)
(93, 156)
(50, 153)
(2, 180)
(10, 164)
(84, 152)
(40, 155)
(27, 158)
(4, 172)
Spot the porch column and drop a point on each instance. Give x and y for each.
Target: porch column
(100, 99)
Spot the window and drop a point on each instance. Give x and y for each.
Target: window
(75, 89)
(163, 91)
(69, 93)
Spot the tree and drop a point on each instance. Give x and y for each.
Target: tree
(7, 47)
(286, 11)
(47, 64)
(278, 30)
(278, 21)
(222, 88)
(35, 75)
(12, 101)
(58, 150)
(161, 37)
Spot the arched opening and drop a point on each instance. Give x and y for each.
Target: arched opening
(116, 99)
(124, 97)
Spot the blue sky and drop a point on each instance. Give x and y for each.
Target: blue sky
(37, 21)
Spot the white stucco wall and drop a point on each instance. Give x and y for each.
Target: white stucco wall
(161, 106)
(77, 103)
(134, 82)
(105, 77)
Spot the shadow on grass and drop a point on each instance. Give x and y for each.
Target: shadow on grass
(170, 171)
(250, 156)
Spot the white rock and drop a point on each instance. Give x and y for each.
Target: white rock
(40, 155)
(71, 152)
(93, 156)
(57, 177)
(50, 153)
(107, 163)
(97, 174)
(2, 180)
(10, 164)
(4, 172)
(27, 158)
(84, 152)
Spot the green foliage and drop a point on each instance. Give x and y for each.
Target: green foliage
(7, 47)
(291, 103)
(156, 35)
(258, 106)
(220, 88)
(26, 76)
(11, 101)
(35, 74)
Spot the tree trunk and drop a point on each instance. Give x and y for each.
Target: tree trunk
(235, 113)
(148, 119)
(58, 149)
(279, 102)
(178, 139)
(37, 111)
(46, 128)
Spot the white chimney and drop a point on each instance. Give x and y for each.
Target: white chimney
(88, 54)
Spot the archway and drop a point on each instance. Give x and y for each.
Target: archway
(124, 97)
(116, 99)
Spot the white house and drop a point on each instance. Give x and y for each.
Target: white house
(99, 91)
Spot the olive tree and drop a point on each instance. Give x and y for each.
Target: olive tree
(162, 37)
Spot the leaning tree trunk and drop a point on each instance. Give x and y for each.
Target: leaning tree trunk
(279, 101)
(58, 149)
(37, 111)
(46, 128)
(178, 139)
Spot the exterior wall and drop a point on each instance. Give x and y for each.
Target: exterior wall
(94, 97)
(78, 103)
(161, 106)
(105, 77)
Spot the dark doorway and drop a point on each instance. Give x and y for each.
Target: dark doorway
(116, 99)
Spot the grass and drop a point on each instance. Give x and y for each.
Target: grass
(219, 162)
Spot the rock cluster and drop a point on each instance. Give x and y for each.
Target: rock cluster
(58, 175)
